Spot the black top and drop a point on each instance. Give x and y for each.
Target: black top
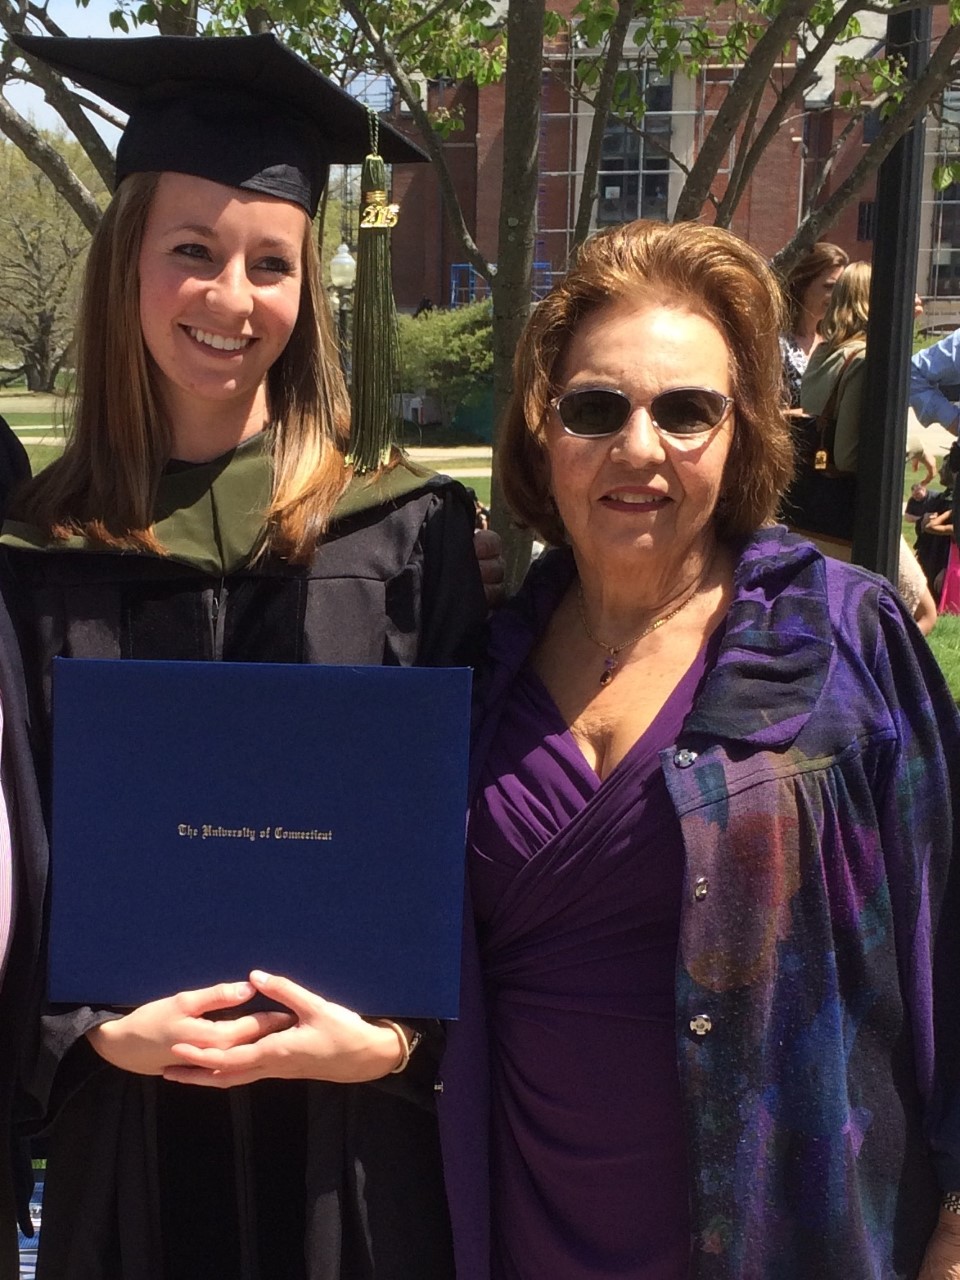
(932, 549)
(14, 463)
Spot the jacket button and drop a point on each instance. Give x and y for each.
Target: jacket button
(684, 758)
(701, 1024)
(701, 887)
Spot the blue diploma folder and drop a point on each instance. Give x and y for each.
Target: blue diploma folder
(210, 818)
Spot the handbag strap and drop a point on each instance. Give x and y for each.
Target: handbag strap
(829, 408)
(825, 418)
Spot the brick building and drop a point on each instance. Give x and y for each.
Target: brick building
(637, 178)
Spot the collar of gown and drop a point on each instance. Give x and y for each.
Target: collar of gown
(209, 515)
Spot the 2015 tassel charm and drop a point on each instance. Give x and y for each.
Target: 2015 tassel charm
(374, 418)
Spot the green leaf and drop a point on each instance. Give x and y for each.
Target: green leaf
(588, 72)
(553, 24)
(943, 176)
(118, 22)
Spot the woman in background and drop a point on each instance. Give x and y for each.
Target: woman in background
(807, 290)
(833, 385)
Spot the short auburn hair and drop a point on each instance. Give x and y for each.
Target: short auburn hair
(705, 270)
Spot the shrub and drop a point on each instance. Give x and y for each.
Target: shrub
(447, 354)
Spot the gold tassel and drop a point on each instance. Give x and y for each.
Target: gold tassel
(374, 420)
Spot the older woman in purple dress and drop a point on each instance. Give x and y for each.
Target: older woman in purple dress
(711, 1010)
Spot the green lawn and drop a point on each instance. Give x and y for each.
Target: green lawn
(21, 420)
(944, 641)
(479, 484)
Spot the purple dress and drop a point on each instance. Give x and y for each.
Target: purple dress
(578, 915)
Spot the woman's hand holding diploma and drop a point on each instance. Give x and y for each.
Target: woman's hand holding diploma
(143, 1040)
(321, 1041)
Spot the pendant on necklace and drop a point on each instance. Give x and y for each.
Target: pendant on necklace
(609, 668)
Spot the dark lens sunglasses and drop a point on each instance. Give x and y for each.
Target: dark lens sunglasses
(683, 412)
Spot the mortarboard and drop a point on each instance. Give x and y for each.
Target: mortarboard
(244, 111)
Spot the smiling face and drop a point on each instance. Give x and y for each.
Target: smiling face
(635, 503)
(220, 277)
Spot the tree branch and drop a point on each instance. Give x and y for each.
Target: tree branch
(257, 19)
(63, 102)
(49, 161)
(175, 19)
(40, 14)
(755, 70)
(603, 99)
(803, 76)
(936, 75)
(842, 138)
(737, 179)
(424, 18)
(411, 97)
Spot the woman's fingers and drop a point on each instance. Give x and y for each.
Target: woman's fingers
(244, 1030)
(213, 1057)
(209, 1079)
(285, 991)
(230, 1059)
(224, 995)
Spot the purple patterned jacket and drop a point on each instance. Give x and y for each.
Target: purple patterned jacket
(818, 980)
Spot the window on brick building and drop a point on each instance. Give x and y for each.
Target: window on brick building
(945, 261)
(945, 271)
(634, 179)
(872, 124)
(866, 219)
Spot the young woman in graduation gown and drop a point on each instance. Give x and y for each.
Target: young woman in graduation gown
(203, 509)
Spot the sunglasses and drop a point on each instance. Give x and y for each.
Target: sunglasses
(682, 413)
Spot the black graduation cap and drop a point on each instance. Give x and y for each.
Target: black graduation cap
(241, 110)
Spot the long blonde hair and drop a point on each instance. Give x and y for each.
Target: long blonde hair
(849, 307)
(104, 485)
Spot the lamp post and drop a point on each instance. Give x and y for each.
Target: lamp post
(343, 272)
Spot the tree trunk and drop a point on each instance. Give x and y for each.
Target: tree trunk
(176, 18)
(511, 284)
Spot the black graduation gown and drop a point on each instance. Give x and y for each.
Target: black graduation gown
(14, 463)
(280, 1180)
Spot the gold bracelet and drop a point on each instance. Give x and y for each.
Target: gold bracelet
(406, 1046)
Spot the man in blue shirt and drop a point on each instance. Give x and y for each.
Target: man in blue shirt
(935, 383)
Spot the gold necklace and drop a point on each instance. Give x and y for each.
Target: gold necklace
(610, 662)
